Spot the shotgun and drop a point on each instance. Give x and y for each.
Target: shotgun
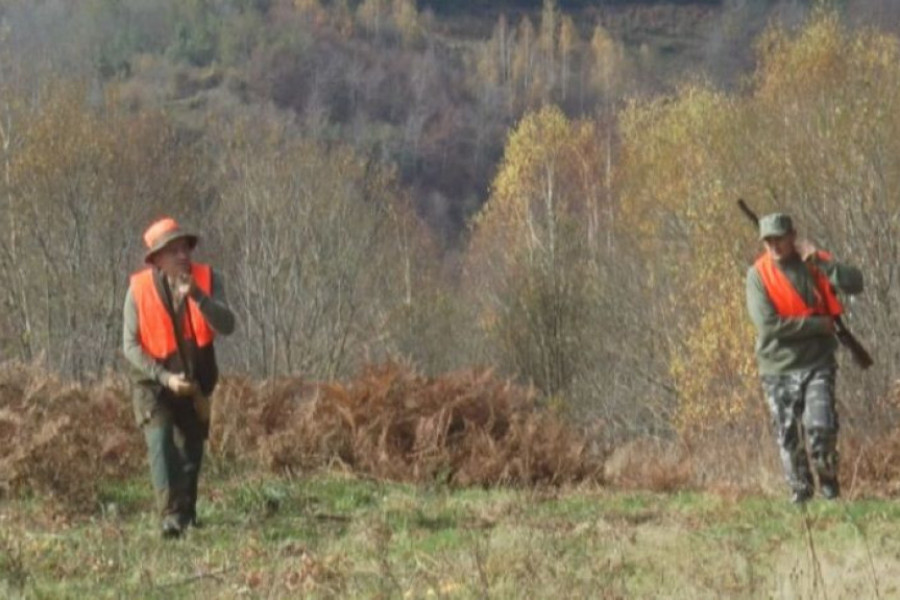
(860, 355)
(201, 401)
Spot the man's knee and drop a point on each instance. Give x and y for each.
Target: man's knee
(820, 410)
(822, 441)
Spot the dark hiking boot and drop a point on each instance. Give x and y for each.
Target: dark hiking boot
(190, 519)
(830, 489)
(196, 523)
(171, 528)
(801, 496)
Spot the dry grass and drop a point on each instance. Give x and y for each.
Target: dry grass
(741, 460)
(63, 441)
(465, 428)
(59, 436)
(651, 465)
(870, 465)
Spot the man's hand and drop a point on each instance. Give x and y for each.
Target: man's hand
(180, 385)
(185, 286)
(806, 249)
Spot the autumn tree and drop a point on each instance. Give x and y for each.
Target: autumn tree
(815, 137)
(82, 182)
(374, 16)
(530, 284)
(608, 64)
(321, 251)
(568, 46)
(523, 61)
(547, 46)
(825, 98)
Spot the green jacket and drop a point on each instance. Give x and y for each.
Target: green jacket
(788, 345)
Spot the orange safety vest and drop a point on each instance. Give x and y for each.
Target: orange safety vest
(787, 301)
(155, 327)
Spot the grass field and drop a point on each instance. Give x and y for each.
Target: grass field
(332, 535)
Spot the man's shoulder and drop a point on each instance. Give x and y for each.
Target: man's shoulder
(139, 277)
(140, 273)
(216, 274)
(207, 266)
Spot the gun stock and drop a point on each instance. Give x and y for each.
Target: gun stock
(858, 353)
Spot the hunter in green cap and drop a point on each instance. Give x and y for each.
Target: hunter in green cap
(775, 225)
(793, 304)
(173, 311)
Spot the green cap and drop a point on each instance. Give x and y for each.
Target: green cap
(774, 225)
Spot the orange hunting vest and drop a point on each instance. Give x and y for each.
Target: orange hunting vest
(787, 301)
(155, 327)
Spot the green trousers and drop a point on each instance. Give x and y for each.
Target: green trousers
(174, 437)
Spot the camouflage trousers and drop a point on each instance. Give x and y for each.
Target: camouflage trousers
(803, 403)
(174, 437)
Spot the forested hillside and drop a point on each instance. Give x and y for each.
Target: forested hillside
(489, 278)
(547, 190)
(429, 93)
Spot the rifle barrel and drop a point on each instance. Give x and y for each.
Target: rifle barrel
(748, 211)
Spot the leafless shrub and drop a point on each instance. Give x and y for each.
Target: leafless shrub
(871, 466)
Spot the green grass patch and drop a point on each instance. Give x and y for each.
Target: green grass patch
(125, 497)
(334, 536)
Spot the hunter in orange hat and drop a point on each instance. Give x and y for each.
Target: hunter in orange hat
(173, 311)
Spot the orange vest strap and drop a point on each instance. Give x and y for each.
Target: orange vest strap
(785, 298)
(155, 327)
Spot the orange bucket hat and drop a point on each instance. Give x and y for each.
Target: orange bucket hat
(162, 232)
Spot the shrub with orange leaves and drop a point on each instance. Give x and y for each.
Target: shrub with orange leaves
(65, 440)
(62, 440)
(465, 428)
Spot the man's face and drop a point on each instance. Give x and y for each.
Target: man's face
(174, 258)
(780, 247)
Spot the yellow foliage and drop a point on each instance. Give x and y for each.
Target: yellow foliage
(530, 258)
(609, 60)
(805, 63)
(674, 159)
(552, 169)
(406, 19)
(568, 36)
(679, 193)
(815, 137)
(714, 373)
(822, 60)
(373, 14)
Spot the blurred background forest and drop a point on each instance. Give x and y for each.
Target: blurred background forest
(547, 188)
